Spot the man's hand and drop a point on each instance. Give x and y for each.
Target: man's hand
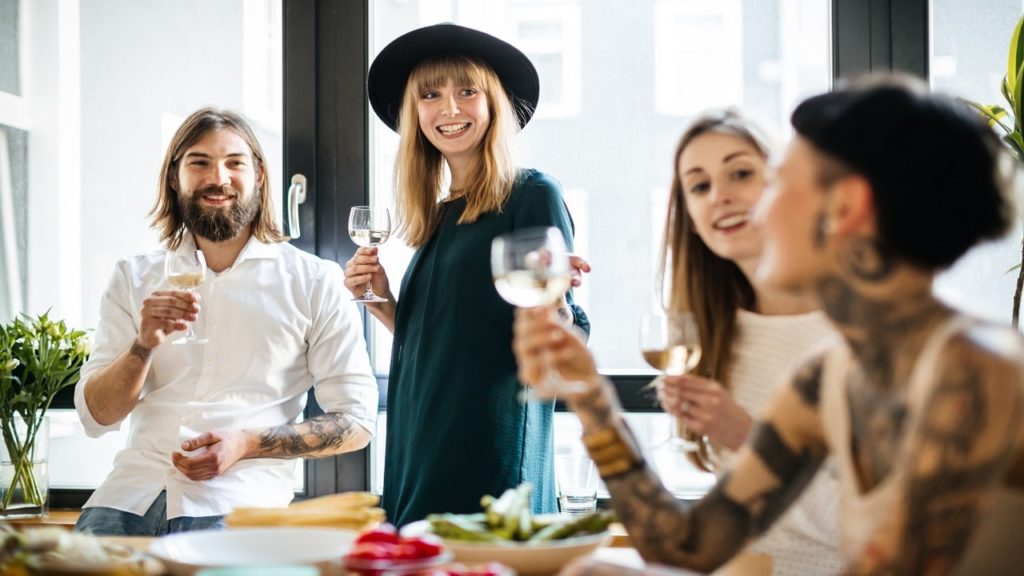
(222, 449)
(164, 312)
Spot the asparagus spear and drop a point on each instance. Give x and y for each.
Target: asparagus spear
(590, 524)
(458, 527)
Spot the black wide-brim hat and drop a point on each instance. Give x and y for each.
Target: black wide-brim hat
(389, 72)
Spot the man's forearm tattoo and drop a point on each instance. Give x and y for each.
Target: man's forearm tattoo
(321, 435)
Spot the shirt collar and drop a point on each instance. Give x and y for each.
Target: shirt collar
(254, 249)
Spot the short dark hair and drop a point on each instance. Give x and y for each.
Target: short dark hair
(933, 164)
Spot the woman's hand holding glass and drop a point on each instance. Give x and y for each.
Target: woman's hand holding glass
(542, 345)
(531, 268)
(705, 408)
(369, 227)
(364, 269)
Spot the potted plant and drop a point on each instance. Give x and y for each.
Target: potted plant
(39, 357)
(1009, 122)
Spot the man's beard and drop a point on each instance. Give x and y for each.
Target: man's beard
(219, 224)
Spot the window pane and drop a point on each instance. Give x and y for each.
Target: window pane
(968, 59)
(13, 221)
(111, 81)
(617, 89)
(10, 47)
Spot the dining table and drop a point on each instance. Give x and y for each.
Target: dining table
(618, 552)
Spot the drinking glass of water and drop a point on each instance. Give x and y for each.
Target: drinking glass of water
(577, 483)
(369, 226)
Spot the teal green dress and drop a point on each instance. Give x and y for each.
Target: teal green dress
(456, 429)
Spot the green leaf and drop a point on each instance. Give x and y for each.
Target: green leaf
(1018, 87)
(1016, 56)
(993, 113)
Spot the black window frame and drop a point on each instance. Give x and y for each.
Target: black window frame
(326, 119)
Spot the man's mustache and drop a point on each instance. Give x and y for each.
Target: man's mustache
(214, 190)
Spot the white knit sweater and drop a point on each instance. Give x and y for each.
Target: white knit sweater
(804, 541)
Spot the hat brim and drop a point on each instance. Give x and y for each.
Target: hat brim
(385, 82)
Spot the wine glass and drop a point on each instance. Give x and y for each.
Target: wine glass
(369, 226)
(671, 343)
(531, 268)
(186, 271)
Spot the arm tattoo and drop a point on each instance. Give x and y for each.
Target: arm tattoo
(951, 470)
(664, 531)
(807, 382)
(712, 531)
(323, 435)
(140, 352)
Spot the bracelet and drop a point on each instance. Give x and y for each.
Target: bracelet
(612, 454)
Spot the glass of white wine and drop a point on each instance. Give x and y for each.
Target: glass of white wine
(530, 267)
(369, 226)
(671, 343)
(186, 271)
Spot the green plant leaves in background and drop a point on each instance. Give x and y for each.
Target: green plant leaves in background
(39, 357)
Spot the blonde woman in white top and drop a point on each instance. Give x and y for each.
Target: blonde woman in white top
(751, 338)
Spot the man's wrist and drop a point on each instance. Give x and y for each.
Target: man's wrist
(141, 351)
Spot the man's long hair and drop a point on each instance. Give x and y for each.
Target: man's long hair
(168, 212)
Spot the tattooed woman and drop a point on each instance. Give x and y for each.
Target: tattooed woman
(883, 186)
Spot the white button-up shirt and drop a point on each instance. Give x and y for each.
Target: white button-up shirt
(278, 322)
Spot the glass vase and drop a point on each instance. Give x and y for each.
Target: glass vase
(24, 479)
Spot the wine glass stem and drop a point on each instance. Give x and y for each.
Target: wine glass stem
(189, 334)
(368, 294)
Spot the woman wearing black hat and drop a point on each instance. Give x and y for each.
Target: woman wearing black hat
(456, 429)
(921, 405)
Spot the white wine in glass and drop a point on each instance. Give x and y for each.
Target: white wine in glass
(186, 271)
(368, 227)
(671, 343)
(531, 268)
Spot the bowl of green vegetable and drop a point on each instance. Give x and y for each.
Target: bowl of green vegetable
(507, 532)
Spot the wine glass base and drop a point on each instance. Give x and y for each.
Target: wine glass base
(194, 342)
(375, 298)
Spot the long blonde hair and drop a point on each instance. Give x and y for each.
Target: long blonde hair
(712, 288)
(419, 169)
(167, 211)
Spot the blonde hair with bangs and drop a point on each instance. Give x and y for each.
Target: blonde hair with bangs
(419, 169)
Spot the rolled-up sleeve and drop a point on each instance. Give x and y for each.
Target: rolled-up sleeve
(115, 332)
(342, 376)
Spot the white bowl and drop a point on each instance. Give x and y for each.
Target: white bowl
(525, 558)
(186, 552)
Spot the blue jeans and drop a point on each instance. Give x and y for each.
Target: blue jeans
(111, 522)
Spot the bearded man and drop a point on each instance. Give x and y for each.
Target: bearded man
(213, 424)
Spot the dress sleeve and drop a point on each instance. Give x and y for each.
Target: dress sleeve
(115, 332)
(342, 377)
(537, 201)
